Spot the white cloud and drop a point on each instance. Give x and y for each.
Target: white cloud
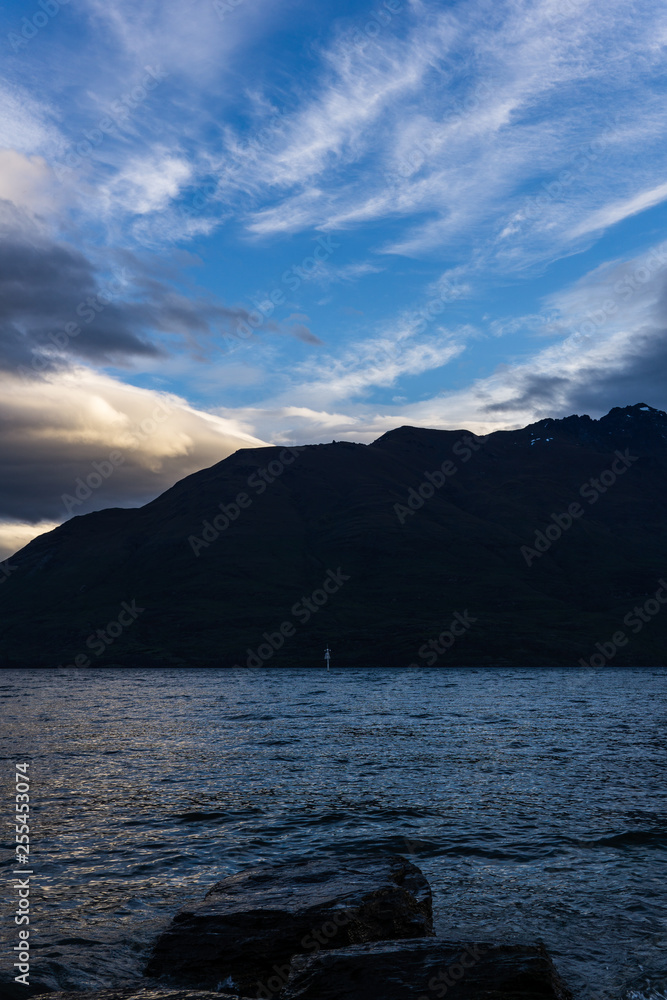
(189, 38)
(15, 534)
(374, 363)
(408, 127)
(148, 184)
(619, 210)
(611, 351)
(329, 393)
(27, 182)
(54, 429)
(327, 273)
(26, 124)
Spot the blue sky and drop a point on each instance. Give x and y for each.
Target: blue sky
(301, 223)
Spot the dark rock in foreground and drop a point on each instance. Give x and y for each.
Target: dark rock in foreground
(11, 990)
(139, 994)
(250, 925)
(426, 970)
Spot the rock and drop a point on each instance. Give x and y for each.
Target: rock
(250, 925)
(10, 990)
(137, 993)
(426, 970)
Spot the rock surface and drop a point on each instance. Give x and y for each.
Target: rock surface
(426, 970)
(139, 994)
(250, 925)
(11, 990)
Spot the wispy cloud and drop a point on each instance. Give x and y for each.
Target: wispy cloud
(367, 365)
(189, 37)
(462, 148)
(27, 124)
(619, 210)
(148, 184)
(611, 345)
(411, 125)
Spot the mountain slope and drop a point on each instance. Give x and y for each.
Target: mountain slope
(346, 525)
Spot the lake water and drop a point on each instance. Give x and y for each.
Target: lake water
(535, 802)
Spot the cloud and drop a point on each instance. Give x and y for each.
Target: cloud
(370, 364)
(15, 534)
(611, 350)
(614, 322)
(447, 135)
(327, 274)
(26, 124)
(616, 212)
(189, 38)
(148, 184)
(44, 286)
(331, 392)
(134, 443)
(406, 126)
(409, 127)
(57, 306)
(309, 425)
(26, 182)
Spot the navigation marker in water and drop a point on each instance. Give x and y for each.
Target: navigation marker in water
(327, 656)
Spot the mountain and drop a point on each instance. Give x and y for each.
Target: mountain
(540, 546)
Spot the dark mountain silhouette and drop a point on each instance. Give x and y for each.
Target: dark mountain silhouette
(538, 546)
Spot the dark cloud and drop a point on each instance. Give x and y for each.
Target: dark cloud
(305, 333)
(636, 370)
(57, 305)
(531, 391)
(52, 302)
(642, 375)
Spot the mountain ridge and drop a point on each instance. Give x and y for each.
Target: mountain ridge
(419, 526)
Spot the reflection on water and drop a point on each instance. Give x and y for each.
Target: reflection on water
(534, 802)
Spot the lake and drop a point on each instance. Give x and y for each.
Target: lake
(534, 801)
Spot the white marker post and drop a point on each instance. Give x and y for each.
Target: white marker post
(327, 656)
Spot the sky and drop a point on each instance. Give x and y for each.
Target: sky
(229, 223)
